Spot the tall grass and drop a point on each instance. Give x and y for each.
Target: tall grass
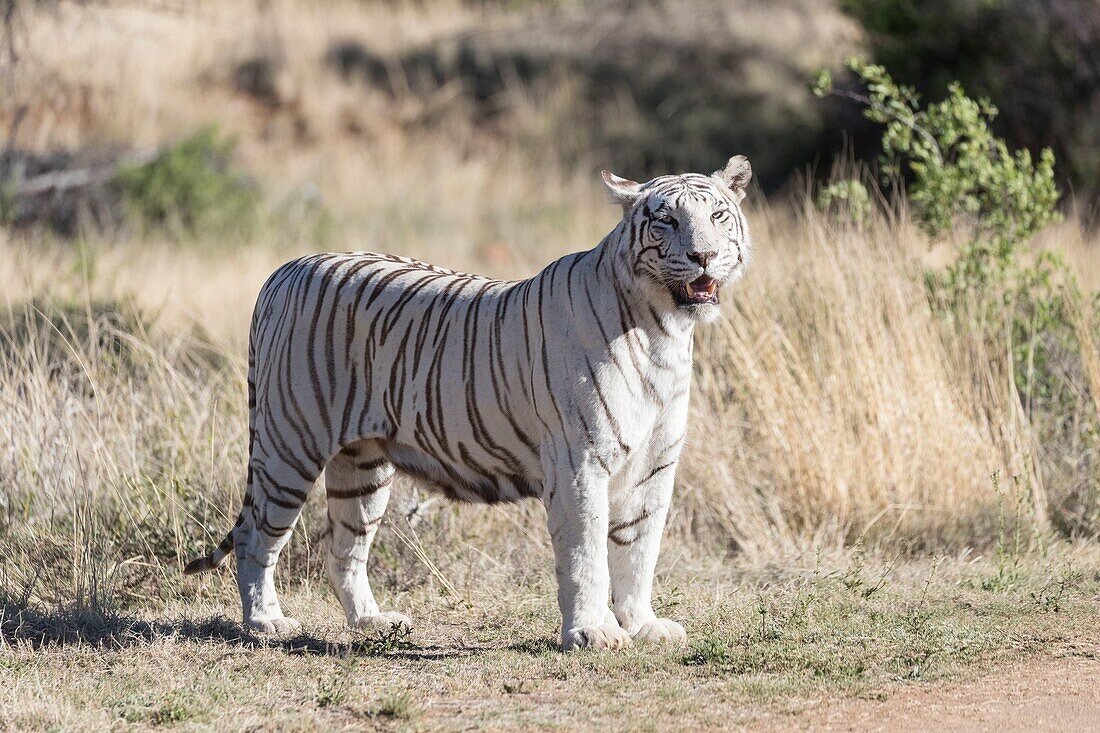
(834, 405)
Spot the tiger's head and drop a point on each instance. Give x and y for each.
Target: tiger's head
(685, 235)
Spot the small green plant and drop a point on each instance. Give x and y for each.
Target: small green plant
(516, 688)
(1006, 552)
(1049, 597)
(802, 606)
(917, 616)
(708, 650)
(670, 600)
(923, 644)
(392, 705)
(960, 170)
(963, 181)
(175, 707)
(190, 189)
(393, 638)
(1011, 544)
(766, 632)
(171, 712)
(1013, 48)
(847, 199)
(333, 691)
(853, 580)
(916, 662)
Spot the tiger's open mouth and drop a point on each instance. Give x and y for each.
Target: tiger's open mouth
(702, 290)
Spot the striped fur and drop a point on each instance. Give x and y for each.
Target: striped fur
(570, 387)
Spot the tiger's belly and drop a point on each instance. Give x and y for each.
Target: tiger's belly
(462, 482)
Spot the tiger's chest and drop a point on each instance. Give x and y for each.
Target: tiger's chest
(637, 395)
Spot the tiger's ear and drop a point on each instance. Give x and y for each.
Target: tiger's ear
(624, 192)
(736, 175)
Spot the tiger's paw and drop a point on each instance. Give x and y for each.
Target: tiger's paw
(661, 631)
(384, 621)
(604, 636)
(280, 625)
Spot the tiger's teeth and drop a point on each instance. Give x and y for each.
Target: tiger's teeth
(690, 290)
(711, 287)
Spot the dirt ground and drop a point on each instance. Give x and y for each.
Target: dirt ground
(1049, 692)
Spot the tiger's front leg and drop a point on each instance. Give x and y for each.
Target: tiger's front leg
(634, 537)
(577, 511)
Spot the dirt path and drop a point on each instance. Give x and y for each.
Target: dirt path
(1046, 693)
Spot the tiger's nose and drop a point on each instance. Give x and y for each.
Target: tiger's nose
(701, 257)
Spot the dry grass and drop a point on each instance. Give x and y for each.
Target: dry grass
(833, 408)
(845, 407)
(849, 412)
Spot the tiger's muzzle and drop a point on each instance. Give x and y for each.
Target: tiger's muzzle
(692, 294)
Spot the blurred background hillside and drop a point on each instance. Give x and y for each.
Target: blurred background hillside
(645, 87)
(158, 159)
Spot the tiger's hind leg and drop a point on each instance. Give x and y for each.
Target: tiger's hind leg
(357, 486)
(276, 495)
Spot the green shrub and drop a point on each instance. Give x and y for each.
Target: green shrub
(191, 189)
(964, 181)
(1039, 60)
(960, 170)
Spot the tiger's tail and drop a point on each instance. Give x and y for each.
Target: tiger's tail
(218, 555)
(213, 560)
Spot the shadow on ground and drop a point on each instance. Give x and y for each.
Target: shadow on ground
(22, 624)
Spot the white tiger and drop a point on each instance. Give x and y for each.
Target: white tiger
(570, 387)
